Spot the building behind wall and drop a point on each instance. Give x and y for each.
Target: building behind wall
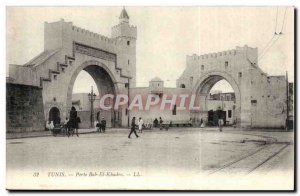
(224, 102)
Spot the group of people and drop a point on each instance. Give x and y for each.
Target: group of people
(70, 125)
(157, 123)
(101, 126)
(140, 125)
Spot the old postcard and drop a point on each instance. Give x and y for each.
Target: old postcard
(150, 98)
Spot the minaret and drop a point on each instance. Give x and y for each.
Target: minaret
(126, 35)
(124, 16)
(123, 29)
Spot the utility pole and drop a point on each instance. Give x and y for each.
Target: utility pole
(287, 100)
(92, 97)
(128, 119)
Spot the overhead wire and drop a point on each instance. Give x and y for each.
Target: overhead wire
(283, 22)
(274, 34)
(272, 42)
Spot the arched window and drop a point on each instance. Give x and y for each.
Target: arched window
(226, 64)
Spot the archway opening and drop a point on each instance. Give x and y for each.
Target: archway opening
(220, 103)
(54, 115)
(93, 78)
(219, 97)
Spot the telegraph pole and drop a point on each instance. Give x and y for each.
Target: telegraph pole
(92, 97)
(287, 100)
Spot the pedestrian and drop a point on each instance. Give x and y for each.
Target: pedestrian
(201, 123)
(140, 124)
(133, 126)
(103, 125)
(72, 122)
(220, 124)
(160, 123)
(66, 125)
(97, 125)
(50, 125)
(57, 121)
(77, 125)
(155, 122)
(220, 120)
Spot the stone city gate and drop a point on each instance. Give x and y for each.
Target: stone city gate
(260, 100)
(68, 50)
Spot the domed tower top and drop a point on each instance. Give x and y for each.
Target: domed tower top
(124, 16)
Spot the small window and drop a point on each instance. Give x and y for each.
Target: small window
(229, 113)
(226, 64)
(128, 62)
(71, 63)
(202, 67)
(63, 70)
(126, 112)
(253, 101)
(126, 85)
(191, 80)
(158, 84)
(228, 98)
(128, 43)
(182, 86)
(55, 77)
(240, 74)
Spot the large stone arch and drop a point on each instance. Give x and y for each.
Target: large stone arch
(207, 80)
(103, 77)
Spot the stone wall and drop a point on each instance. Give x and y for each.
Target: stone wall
(154, 111)
(24, 108)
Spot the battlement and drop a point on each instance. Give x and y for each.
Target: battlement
(221, 54)
(57, 32)
(130, 26)
(124, 30)
(96, 36)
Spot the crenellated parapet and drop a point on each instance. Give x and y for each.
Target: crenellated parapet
(246, 51)
(124, 30)
(61, 34)
(91, 35)
(212, 55)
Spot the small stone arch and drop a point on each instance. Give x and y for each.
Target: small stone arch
(54, 115)
(182, 85)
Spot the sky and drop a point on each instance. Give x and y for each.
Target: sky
(165, 36)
